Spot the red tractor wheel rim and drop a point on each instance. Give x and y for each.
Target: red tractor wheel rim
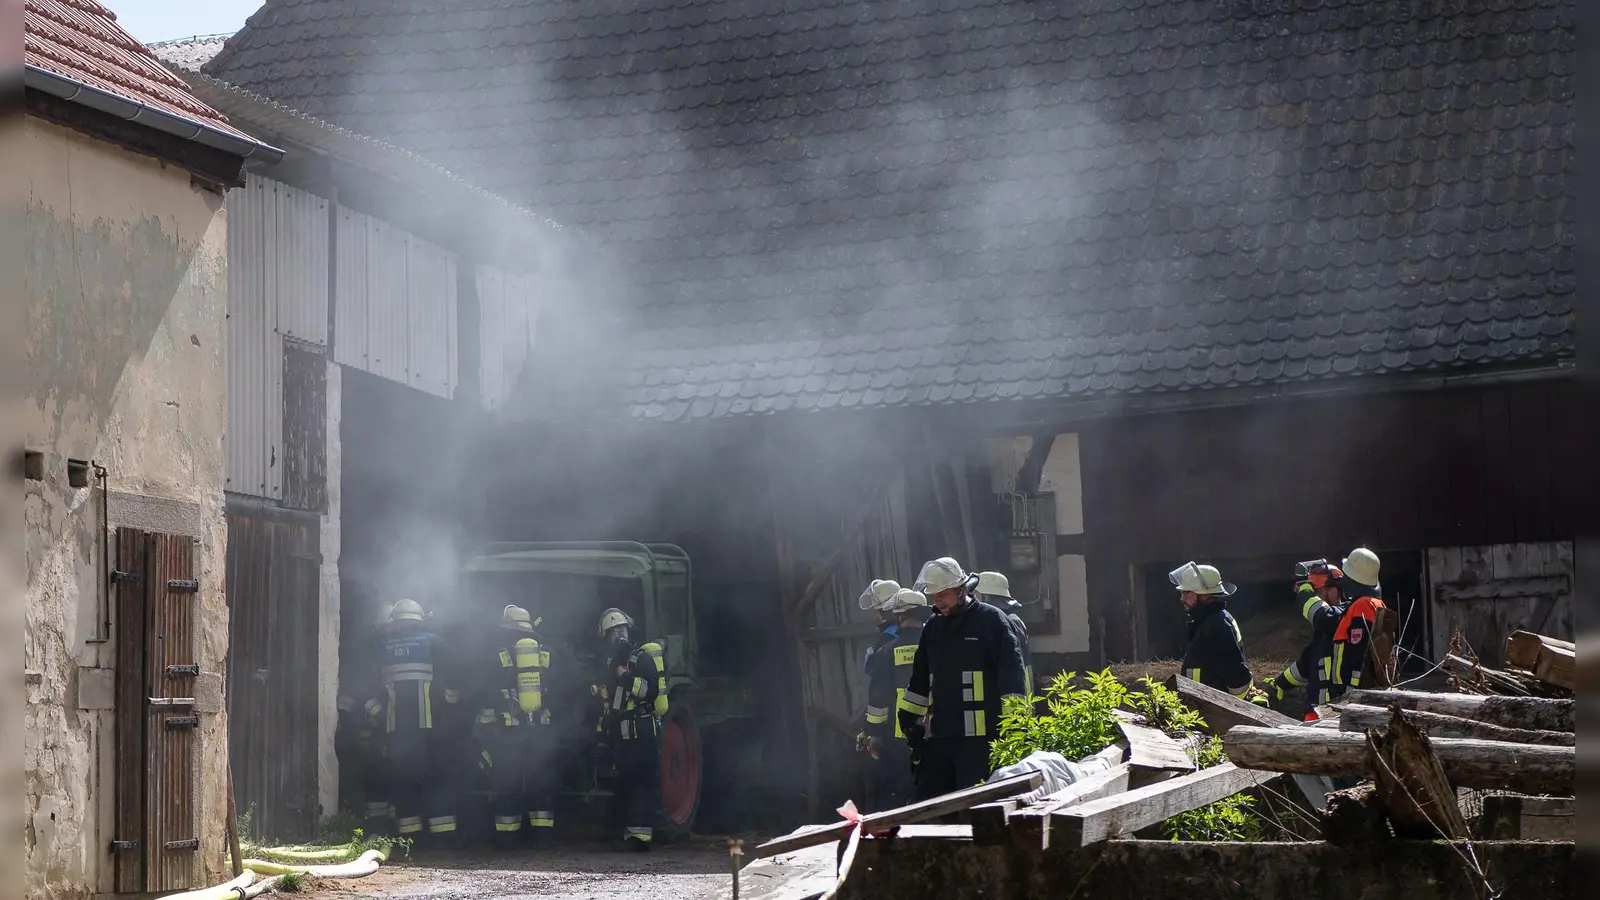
(680, 770)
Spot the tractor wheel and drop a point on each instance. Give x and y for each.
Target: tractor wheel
(680, 770)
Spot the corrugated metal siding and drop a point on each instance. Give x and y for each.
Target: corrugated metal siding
(301, 264)
(395, 310)
(254, 364)
(350, 290)
(508, 320)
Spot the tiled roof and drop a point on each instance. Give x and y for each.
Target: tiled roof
(887, 202)
(81, 40)
(189, 53)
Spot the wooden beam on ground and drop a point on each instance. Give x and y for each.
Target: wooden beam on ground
(1557, 666)
(1536, 713)
(1151, 750)
(1512, 817)
(1088, 823)
(1359, 718)
(1411, 783)
(1222, 710)
(954, 802)
(1485, 765)
(1029, 827)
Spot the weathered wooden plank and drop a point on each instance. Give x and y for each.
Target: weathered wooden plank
(1030, 827)
(957, 801)
(1222, 710)
(1486, 765)
(1522, 648)
(989, 821)
(1482, 678)
(1149, 748)
(1557, 666)
(1513, 817)
(1538, 713)
(1096, 820)
(1360, 718)
(1411, 783)
(1502, 589)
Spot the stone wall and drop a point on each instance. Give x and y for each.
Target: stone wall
(125, 279)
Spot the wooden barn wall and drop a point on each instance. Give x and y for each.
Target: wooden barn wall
(1463, 467)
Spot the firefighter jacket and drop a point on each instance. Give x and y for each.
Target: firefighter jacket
(964, 663)
(1216, 649)
(523, 665)
(411, 693)
(1021, 628)
(1350, 626)
(638, 695)
(888, 674)
(885, 638)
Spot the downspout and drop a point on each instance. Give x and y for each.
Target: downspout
(102, 473)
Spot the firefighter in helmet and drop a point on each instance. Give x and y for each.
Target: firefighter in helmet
(635, 697)
(517, 734)
(888, 674)
(995, 589)
(410, 701)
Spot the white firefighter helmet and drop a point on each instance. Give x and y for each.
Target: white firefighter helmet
(406, 611)
(382, 618)
(905, 600)
(1192, 578)
(942, 574)
(993, 584)
(1361, 566)
(516, 618)
(877, 594)
(613, 617)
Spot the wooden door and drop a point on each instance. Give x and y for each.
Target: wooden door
(1485, 593)
(156, 722)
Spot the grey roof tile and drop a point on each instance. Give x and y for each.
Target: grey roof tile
(885, 203)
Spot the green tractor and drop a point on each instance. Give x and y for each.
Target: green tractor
(568, 585)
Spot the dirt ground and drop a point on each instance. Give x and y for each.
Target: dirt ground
(685, 871)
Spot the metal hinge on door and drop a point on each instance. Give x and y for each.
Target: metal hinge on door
(124, 846)
(119, 575)
(175, 671)
(183, 721)
(183, 586)
(185, 844)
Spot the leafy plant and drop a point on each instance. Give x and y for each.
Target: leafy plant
(291, 882)
(1163, 708)
(1230, 819)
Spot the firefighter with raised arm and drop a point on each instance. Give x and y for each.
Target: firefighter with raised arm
(1317, 588)
(635, 703)
(995, 589)
(888, 674)
(966, 662)
(409, 703)
(1352, 623)
(1215, 657)
(517, 735)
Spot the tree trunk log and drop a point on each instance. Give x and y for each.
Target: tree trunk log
(1486, 765)
(1354, 818)
(1361, 718)
(1537, 713)
(1411, 783)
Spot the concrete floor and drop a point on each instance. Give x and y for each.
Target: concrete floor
(690, 871)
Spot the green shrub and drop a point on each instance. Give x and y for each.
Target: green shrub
(1230, 819)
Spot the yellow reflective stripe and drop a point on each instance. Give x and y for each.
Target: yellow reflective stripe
(541, 818)
(974, 723)
(1338, 663)
(451, 695)
(441, 824)
(389, 710)
(507, 823)
(409, 824)
(1310, 606)
(485, 717)
(1293, 676)
(1193, 675)
(877, 715)
(1238, 638)
(972, 687)
(638, 687)
(916, 704)
(425, 704)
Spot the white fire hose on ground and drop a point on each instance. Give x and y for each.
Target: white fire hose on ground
(246, 886)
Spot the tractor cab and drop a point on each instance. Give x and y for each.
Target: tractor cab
(566, 586)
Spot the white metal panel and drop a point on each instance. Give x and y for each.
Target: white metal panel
(246, 445)
(509, 316)
(302, 264)
(490, 285)
(387, 314)
(350, 291)
(430, 300)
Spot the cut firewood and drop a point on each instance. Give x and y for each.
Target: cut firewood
(1361, 718)
(1557, 666)
(1485, 765)
(1354, 818)
(1029, 827)
(1536, 713)
(1096, 820)
(1411, 782)
(954, 802)
(1523, 647)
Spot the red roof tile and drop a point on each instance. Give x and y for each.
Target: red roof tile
(81, 40)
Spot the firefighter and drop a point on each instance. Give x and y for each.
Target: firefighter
(517, 734)
(889, 671)
(875, 598)
(995, 589)
(408, 704)
(1215, 657)
(1318, 586)
(1351, 623)
(636, 702)
(966, 662)
(355, 744)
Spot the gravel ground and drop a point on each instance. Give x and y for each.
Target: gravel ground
(688, 871)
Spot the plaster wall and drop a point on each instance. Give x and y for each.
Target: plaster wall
(125, 280)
